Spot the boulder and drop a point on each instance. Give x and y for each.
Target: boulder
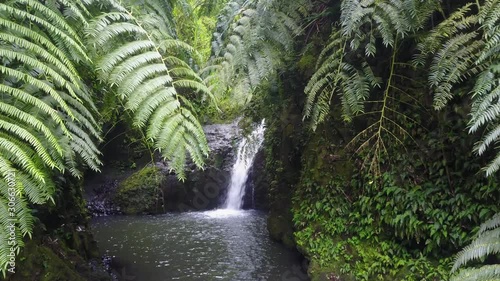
(139, 193)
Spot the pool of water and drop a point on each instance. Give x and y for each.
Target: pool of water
(213, 245)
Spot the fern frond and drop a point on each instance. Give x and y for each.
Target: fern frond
(452, 64)
(455, 48)
(19, 156)
(489, 15)
(148, 106)
(30, 120)
(156, 15)
(490, 224)
(146, 59)
(384, 19)
(167, 45)
(485, 110)
(252, 40)
(484, 273)
(45, 107)
(152, 86)
(37, 83)
(140, 74)
(335, 76)
(108, 62)
(487, 243)
(25, 135)
(56, 26)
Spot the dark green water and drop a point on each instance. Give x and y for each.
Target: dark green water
(220, 245)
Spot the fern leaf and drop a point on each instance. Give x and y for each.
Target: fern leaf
(142, 79)
(486, 244)
(483, 273)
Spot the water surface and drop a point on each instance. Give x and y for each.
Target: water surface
(215, 245)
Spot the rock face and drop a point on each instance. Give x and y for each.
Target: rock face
(99, 199)
(204, 189)
(256, 189)
(137, 192)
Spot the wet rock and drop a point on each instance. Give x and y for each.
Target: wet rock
(100, 203)
(256, 188)
(203, 189)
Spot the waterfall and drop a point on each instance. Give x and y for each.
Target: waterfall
(247, 149)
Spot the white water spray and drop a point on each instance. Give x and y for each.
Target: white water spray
(247, 149)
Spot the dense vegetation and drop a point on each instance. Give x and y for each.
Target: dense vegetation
(388, 110)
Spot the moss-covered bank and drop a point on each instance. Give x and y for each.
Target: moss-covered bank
(62, 247)
(405, 221)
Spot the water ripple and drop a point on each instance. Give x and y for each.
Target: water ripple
(214, 245)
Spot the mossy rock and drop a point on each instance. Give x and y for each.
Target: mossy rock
(83, 242)
(52, 260)
(139, 193)
(40, 263)
(280, 230)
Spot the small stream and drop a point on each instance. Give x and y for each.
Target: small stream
(214, 245)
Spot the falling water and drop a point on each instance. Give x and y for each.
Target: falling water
(247, 149)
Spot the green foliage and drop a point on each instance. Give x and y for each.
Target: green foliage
(456, 47)
(405, 224)
(420, 214)
(362, 23)
(195, 22)
(466, 46)
(335, 76)
(47, 120)
(252, 41)
(130, 60)
(350, 67)
(350, 242)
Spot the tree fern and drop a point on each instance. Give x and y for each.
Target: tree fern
(252, 41)
(47, 116)
(131, 60)
(466, 46)
(345, 69)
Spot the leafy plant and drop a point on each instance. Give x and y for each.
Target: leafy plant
(466, 46)
(346, 68)
(251, 42)
(47, 120)
(138, 72)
